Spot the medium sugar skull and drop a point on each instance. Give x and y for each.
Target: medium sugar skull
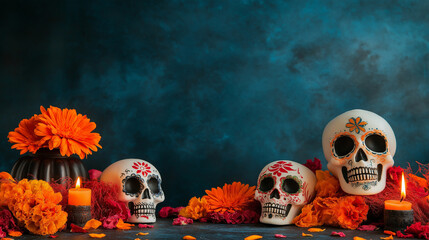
(140, 184)
(359, 146)
(284, 187)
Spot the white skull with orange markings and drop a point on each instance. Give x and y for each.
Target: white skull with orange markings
(359, 146)
(284, 187)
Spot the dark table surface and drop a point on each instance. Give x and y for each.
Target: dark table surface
(163, 229)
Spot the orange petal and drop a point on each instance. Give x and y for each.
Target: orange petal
(92, 224)
(124, 226)
(387, 238)
(316, 229)
(97, 235)
(358, 238)
(307, 235)
(142, 234)
(252, 237)
(15, 233)
(188, 237)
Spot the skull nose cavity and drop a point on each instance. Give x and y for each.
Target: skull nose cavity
(275, 194)
(146, 194)
(360, 155)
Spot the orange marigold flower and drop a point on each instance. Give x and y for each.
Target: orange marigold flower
(68, 131)
(6, 185)
(46, 218)
(352, 212)
(327, 185)
(346, 212)
(307, 218)
(23, 136)
(35, 205)
(232, 197)
(196, 209)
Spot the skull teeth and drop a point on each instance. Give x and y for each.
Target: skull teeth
(141, 209)
(276, 210)
(361, 174)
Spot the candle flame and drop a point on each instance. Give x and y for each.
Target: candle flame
(403, 192)
(78, 183)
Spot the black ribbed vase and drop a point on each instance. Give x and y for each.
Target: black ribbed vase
(48, 165)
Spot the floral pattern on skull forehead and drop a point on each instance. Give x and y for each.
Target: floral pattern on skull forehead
(281, 167)
(142, 168)
(356, 124)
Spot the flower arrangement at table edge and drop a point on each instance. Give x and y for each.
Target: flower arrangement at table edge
(39, 206)
(33, 203)
(331, 206)
(56, 128)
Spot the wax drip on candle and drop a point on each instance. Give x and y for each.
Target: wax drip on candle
(403, 193)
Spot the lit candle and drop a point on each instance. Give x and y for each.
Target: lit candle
(79, 207)
(79, 196)
(398, 214)
(398, 204)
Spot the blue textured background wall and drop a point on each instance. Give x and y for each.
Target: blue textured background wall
(212, 91)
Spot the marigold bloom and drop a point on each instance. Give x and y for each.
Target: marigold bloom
(35, 205)
(196, 209)
(327, 185)
(23, 136)
(68, 131)
(46, 218)
(232, 197)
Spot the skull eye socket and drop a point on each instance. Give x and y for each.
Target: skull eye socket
(344, 145)
(266, 184)
(376, 143)
(290, 186)
(132, 186)
(153, 185)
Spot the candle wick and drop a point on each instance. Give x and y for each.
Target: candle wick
(402, 198)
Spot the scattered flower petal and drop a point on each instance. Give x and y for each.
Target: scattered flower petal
(142, 234)
(53, 236)
(145, 226)
(7, 238)
(387, 238)
(280, 236)
(389, 232)
(180, 221)
(367, 227)
(15, 233)
(401, 235)
(77, 229)
(253, 237)
(339, 234)
(97, 235)
(166, 212)
(316, 229)
(92, 224)
(358, 238)
(124, 226)
(137, 239)
(188, 237)
(307, 235)
(94, 174)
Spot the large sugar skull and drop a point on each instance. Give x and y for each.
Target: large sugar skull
(140, 184)
(359, 146)
(284, 187)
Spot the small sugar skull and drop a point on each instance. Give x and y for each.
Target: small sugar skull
(284, 187)
(140, 184)
(359, 146)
